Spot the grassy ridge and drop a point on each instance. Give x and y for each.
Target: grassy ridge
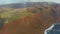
(12, 15)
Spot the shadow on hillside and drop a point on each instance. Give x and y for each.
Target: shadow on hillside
(2, 20)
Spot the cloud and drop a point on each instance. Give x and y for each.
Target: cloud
(18, 1)
(10, 1)
(33, 0)
(36, 0)
(56, 1)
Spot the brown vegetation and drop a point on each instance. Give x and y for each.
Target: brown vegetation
(35, 24)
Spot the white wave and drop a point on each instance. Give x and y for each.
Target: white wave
(45, 32)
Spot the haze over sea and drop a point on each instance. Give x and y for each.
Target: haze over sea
(21, 1)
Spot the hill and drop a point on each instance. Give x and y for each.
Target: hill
(33, 18)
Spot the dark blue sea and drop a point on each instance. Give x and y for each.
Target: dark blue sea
(54, 30)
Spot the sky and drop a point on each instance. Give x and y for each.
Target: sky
(19, 1)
